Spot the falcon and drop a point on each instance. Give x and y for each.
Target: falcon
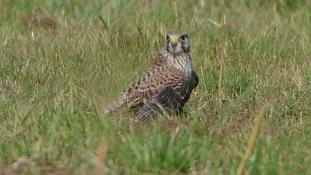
(166, 87)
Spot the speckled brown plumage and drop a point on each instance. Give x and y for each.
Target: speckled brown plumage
(152, 81)
(165, 87)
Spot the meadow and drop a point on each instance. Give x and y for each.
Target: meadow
(57, 73)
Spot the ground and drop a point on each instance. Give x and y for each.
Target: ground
(62, 61)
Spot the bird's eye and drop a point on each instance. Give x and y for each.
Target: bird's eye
(182, 38)
(168, 38)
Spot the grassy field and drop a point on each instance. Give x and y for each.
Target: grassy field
(57, 73)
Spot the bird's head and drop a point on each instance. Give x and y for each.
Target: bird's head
(177, 43)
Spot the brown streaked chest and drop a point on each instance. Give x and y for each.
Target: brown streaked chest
(181, 62)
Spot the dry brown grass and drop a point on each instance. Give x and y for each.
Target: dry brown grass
(39, 21)
(253, 138)
(33, 166)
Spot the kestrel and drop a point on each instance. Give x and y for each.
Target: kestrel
(166, 87)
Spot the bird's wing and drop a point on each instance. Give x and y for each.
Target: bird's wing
(188, 87)
(147, 86)
(152, 82)
(167, 100)
(194, 79)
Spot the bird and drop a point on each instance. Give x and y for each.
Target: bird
(166, 86)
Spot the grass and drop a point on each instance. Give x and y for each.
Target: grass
(54, 82)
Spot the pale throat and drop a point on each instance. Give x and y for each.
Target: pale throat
(181, 62)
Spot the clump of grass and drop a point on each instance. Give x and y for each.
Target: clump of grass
(253, 138)
(163, 152)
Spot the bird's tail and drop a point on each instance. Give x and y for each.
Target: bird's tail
(116, 105)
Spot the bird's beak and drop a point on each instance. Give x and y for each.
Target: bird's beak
(174, 39)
